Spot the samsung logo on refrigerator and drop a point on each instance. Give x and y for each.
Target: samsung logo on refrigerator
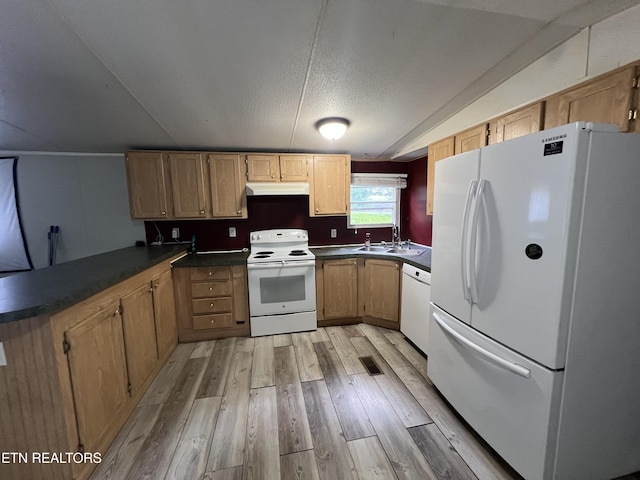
(553, 145)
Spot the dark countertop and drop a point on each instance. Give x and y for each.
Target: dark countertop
(421, 261)
(213, 259)
(48, 290)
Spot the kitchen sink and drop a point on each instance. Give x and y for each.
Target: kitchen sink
(405, 251)
(372, 249)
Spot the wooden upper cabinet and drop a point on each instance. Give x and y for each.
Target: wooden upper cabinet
(277, 168)
(516, 124)
(330, 183)
(293, 168)
(604, 100)
(98, 373)
(471, 139)
(263, 168)
(147, 185)
(227, 179)
(187, 185)
(436, 151)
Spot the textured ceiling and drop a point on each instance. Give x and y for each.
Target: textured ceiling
(257, 75)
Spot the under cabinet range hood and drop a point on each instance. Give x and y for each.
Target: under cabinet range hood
(277, 188)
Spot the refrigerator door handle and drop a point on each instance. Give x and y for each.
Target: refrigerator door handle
(473, 280)
(463, 241)
(501, 362)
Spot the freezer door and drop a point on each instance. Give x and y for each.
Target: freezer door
(523, 229)
(455, 183)
(510, 401)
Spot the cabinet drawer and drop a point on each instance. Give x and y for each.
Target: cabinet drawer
(211, 289)
(212, 305)
(210, 273)
(205, 322)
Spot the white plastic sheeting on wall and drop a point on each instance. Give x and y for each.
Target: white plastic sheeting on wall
(13, 252)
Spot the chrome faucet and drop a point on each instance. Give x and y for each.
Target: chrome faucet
(395, 236)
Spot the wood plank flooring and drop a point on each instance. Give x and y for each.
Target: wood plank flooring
(297, 406)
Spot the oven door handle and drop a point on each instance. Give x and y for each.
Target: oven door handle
(281, 264)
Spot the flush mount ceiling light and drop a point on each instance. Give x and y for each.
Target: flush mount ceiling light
(332, 128)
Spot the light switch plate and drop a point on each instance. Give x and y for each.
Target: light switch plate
(232, 232)
(334, 233)
(3, 357)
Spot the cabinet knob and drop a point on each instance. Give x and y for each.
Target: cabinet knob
(201, 212)
(151, 290)
(210, 289)
(211, 305)
(210, 273)
(239, 212)
(282, 176)
(273, 175)
(155, 286)
(163, 212)
(317, 210)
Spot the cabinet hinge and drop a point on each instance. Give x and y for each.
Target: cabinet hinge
(488, 133)
(129, 388)
(120, 310)
(80, 448)
(66, 346)
(633, 114)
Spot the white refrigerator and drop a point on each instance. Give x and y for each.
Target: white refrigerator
(535, 299)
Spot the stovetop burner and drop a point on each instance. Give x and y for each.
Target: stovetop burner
(264, 253)
(261, 256)
(297, 253)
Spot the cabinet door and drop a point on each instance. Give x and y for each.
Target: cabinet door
(164, 309)
(293, 168)
(340, 286)
(436, 151)
(263, 168)
(98, 372)
(147, 185)
(607, 100)
(471, 139)
(227, 178)
(330, 185)
(240, 295)
(516, 124)
(139, 334)
(187, 185)
(382, 289)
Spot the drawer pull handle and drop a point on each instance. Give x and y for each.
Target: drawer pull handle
(211, 305)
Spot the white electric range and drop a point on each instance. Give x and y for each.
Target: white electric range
(282, 282)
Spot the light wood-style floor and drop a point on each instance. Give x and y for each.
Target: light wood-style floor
(298, 406)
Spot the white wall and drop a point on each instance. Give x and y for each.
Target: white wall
(85, 194)
(595, 50)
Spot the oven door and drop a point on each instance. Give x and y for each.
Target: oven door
(282, 287)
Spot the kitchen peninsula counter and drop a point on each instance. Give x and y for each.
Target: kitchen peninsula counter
(213, 259)
(48, 290)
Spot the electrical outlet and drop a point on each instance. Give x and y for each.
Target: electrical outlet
(175, 233)
(3, 357)
(232, 232)
(334, 233)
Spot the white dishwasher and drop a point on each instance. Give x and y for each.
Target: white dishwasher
(416, 295)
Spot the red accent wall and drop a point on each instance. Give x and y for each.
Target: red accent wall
(293, 212)
(418, 224)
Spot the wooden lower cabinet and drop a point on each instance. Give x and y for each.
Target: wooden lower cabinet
(211, 302)
(164, 309)
(81, 372)
(382, 289)
(138, 324)
(98, 372)
(359, 290)
(337, 287)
